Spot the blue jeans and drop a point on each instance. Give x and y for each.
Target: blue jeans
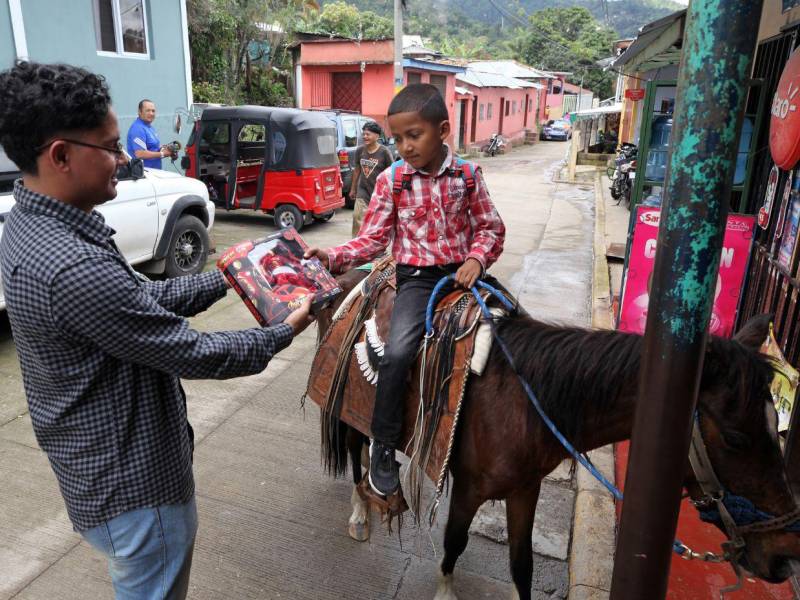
(149, 550)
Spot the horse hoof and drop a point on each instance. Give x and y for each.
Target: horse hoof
(359, 531)
(444, 591)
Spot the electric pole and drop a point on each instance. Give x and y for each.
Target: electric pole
(398, 45)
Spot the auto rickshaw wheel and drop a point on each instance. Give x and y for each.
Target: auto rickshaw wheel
(288, 215)
(324, 217)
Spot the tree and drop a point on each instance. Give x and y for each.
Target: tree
(568, 39)
(340, 18)
(220, 35)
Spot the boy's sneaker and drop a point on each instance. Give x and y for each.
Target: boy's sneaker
(383, 469)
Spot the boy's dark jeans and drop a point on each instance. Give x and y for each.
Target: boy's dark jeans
(414, 288)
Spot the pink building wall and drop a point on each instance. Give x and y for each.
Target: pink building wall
(514, 123)
(346, 51)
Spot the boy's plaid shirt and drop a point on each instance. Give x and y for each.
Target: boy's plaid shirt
(435, 223)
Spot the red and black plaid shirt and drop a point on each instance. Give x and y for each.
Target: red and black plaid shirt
(437, 222)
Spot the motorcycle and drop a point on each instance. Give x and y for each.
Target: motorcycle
(495, 146)
(622, 174)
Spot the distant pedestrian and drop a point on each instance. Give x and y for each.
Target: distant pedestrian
(372, 159)
(102, 348)
(143, 139)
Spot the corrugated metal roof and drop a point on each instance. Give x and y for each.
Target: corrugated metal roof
(463, 91)
(479, 79)
(509, 68)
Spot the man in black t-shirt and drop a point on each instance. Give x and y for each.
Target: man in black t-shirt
(371, 160)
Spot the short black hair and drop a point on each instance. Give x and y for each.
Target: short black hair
(143, 100)
(40, 101)
(422, 98)
(373, 127)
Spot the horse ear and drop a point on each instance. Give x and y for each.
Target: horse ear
(755, 331)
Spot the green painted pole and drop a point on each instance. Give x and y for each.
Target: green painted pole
(718, 49)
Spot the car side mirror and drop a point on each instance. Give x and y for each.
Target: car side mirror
(134, 169)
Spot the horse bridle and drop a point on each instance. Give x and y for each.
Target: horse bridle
(713, 498)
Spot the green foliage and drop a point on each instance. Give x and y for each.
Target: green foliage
(340, 18)
(220, 33)
(568, 39)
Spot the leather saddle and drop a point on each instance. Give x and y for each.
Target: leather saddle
(344, 372)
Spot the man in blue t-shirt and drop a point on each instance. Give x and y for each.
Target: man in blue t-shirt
(143, 140)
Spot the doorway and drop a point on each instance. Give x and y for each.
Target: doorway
(346, 92)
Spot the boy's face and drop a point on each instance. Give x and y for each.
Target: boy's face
(370, 137)
(418, 141)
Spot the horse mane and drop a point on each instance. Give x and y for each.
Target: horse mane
(570, 368)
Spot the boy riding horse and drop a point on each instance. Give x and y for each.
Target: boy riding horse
(436, 211)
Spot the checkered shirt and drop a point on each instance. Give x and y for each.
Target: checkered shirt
(435, 223)
(102, 349)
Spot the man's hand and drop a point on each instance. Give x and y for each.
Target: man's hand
(302, 317)
(320, 254)
(468, 273)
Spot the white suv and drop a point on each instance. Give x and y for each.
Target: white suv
(162, 219)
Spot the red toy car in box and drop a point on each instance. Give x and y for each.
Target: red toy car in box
(273, 278)
(281, 161)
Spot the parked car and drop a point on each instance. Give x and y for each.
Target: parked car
(162, 219)
(557, 130)
(348, 138)
(281, 161)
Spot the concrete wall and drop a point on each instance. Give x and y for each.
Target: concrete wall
(65, 32)
(773, 18)
(7, 53)
(346, 52)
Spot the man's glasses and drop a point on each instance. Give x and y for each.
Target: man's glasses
(117, 150)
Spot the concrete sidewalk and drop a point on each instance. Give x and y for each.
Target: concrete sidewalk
(272, 525)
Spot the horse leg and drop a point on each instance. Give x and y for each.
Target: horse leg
(464, 503)
(358, 524)
(520, 511)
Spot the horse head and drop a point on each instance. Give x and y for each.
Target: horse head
(744, 490)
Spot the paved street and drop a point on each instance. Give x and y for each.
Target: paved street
(272, 524)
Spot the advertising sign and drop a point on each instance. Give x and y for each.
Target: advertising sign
(784, 125)
(789, 237)
(638, 280)
(635, 95)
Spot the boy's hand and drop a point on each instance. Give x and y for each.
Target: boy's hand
(320, 254)
(302, 317)
(468, 273)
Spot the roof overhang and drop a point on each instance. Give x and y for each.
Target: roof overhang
(657, 45)
(429, 65)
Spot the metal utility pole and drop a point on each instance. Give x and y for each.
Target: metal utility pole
(398, 45)
(718, 50)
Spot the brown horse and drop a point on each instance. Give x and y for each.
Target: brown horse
(587, 382)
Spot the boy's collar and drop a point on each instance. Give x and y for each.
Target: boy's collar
(446, 163)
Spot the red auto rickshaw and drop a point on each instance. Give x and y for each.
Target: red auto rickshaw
(281, 161)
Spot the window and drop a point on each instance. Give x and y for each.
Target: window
(514, 107)
(121, 27)
(557, 87)
(414, 78)
(440, 83)
(350, 132)
(252, 133)
(489, 110)
(530, 105)
(480, 113)
(508, 106)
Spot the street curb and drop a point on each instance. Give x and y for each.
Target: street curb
(594, 523)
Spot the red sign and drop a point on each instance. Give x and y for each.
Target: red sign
(634, 95)
(784, 128)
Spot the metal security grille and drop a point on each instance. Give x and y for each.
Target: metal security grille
(347, 91)
(770, 288)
